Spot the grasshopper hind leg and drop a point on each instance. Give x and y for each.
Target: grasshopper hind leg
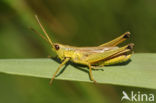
(117, 60)
(117, 40)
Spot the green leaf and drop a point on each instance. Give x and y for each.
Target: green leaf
(140, 72)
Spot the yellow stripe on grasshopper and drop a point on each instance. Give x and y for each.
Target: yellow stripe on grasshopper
(120, 59)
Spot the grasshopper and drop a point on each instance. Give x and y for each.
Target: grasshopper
(92, 57)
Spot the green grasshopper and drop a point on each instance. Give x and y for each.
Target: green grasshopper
(106, 54)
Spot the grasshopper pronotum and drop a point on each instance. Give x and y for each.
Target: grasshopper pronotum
(106, 54)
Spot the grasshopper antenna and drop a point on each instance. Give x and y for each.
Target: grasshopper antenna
(48, 38)
(39, 34)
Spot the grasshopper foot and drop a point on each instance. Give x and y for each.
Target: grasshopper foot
(97, 68)
(51, 81)
(94, 81)
(49, 56)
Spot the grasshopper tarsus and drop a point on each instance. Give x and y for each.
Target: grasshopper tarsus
(49, 56)
(94, 82)
(97, 68)
(51, 81)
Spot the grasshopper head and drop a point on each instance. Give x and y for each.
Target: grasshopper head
(63, 51)
(59, 49)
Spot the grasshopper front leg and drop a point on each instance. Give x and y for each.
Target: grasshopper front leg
(64, 62)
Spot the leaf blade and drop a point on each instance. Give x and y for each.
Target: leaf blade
(138, 73)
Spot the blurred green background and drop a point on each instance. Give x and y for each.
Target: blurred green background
(72, 22)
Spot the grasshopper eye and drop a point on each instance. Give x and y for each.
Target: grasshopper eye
(57, 47)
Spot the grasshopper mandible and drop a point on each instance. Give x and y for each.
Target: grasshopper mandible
(106, 54)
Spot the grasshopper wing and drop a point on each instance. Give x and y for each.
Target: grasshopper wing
(96, 57)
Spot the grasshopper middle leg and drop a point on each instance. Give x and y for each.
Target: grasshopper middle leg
(90, 73)
(90, 69)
